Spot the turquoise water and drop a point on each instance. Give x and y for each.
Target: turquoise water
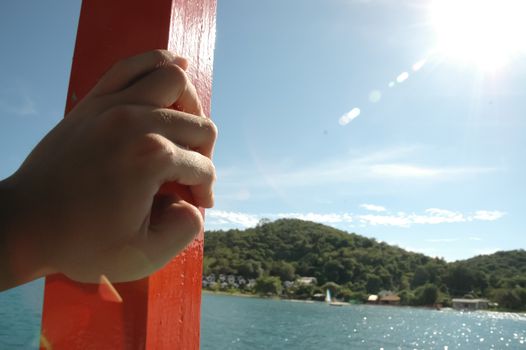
(20, 312)
(229, 322)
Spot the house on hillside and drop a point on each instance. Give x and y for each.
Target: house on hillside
(470, 304)
(307, 280)
(372, 299)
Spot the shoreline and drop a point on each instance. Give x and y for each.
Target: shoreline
(308, 301)
(244, 295)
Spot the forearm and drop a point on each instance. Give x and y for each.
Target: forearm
(19, 256)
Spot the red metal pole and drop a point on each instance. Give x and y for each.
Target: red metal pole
(162, 311)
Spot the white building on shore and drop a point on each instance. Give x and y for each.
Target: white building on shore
(470, 304)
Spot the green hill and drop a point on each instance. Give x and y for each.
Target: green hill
(354, 266)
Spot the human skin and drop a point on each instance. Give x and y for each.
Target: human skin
(86, 201)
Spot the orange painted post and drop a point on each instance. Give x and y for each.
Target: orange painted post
(162, 311)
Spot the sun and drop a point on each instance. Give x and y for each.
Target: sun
(487, 33)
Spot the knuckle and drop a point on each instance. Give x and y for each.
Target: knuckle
(119, 117)
(211, 130)
(210, 171)
(176, 73)
(154, 145)
(162, 57)
(120, 65)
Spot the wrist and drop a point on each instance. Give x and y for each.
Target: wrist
(21, 259)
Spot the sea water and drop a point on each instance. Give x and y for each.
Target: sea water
(229, 322)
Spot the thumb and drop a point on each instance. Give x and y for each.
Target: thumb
(174, 224)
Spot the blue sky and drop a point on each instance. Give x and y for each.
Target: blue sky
(433, 162)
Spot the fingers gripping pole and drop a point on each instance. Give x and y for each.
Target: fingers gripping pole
(162, 311)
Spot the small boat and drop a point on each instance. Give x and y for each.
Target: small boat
(329, 301)
(338, 303)
(328, 296)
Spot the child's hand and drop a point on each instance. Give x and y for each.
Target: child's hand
(85, 199)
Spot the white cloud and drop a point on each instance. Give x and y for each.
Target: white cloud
(385, 220)
(372, 207)
(321, 218)
(229, 218)
(391, 164)
(431, 216)
(380, 168)
(438, 216)
(486, 215)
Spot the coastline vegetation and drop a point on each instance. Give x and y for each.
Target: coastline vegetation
(268, 260)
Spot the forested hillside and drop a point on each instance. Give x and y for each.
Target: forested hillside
(353, 266)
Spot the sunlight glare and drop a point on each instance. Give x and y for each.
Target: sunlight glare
(418, 65)
(487, 33)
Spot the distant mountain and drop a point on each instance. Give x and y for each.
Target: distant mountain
(358, 265)
(505, 264)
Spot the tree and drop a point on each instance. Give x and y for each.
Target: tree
(284, 270)
(268, 285)
(333, 271)
(345, 294)
(374, 283)
(333, 287)
(304, 291)
(420, 277)
(249, 268)
(385, 276)
(512, 299)
(263, 221)
(406, 297)
(289, 247)
(426, 294)
(460, 280)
